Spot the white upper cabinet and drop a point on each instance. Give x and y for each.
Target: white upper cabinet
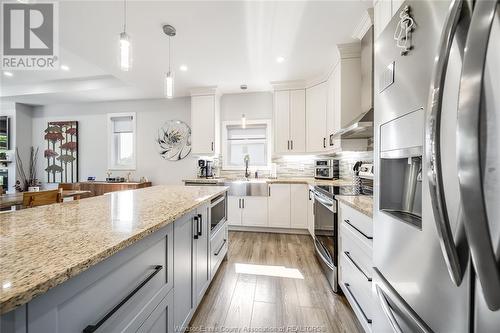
(298, 121)
(282, 121)
(289, 121)
(316, 110)
(205, 127)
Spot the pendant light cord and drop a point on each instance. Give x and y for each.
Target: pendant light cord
(169, 54)
(124, 15)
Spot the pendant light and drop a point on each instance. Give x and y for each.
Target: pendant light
(169, 78)
(125, 49)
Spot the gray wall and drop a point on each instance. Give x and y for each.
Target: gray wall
(93, 146)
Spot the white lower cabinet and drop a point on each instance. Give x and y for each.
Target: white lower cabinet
(356, 262)
(234, 210)
(254, 211)
(247, 211)
(299, 206)
(279, 205)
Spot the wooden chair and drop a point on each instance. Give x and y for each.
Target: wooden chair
(33, 199)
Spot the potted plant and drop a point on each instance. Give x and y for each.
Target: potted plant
(31, 182)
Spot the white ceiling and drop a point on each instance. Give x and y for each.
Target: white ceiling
(224, 43)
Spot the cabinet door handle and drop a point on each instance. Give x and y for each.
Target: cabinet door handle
(239, 203)
(291, 144)
(243, 201)
(324, 142)
(197, 225)
(212, 146)
(287, 144)
(269, 191)
(200, 227)
(220, 248)
(93, 328)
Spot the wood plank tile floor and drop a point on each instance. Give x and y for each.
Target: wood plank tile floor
(272, 283)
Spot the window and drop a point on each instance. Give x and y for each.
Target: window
(121, 140)
(253, 140)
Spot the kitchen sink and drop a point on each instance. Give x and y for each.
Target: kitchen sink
(247, 187)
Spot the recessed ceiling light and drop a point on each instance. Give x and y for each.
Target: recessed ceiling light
(9, 74)
(183, 68)
(64, 68)
(280, 59)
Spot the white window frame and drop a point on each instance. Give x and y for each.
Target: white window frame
(225, 163)
(111, 147)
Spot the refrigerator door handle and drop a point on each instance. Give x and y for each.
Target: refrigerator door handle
(468, 153)
(392, 303)
(388, 311)
(451, 31)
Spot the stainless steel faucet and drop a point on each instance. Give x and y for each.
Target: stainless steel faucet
(246, 159)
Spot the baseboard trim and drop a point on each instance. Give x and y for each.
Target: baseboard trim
(268, 230)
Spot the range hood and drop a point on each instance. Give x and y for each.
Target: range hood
(359, 128)
(362, 126)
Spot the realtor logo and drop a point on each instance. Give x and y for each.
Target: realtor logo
(30, 36)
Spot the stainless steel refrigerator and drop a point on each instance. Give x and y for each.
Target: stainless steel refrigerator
(437, 169)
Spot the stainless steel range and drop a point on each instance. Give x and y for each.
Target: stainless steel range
(326, 228)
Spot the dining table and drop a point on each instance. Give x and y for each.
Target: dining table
(16, 199)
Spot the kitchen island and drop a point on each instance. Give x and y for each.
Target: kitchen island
(76, 260)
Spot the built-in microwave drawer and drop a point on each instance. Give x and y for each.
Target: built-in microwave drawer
(218, 248)
(360, 222)
(358, 290)
(356, 249)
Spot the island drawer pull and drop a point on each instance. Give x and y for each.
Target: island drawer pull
(348, 255)
(93, 328)
(220, 248)
(365, 317)
(357, 229)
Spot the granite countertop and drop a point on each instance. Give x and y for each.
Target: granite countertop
(294, 180)
(42, 247)
(362, 203)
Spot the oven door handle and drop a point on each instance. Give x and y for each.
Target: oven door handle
(323, 201)
(320, 253)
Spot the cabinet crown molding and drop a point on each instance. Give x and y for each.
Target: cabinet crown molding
(363, 25)
(201, 91)
(288, 85)
(349, 50)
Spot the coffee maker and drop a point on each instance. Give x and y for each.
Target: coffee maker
(205, 169)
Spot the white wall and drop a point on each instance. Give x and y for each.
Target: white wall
(258, 105)
(23, 137)
(92, 137)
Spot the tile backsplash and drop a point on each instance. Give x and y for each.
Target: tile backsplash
(290, 166)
